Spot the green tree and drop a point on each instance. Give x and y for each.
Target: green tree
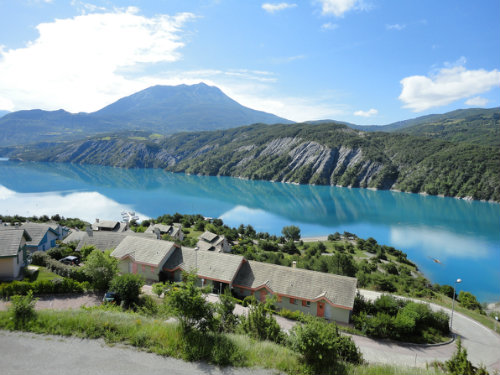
(291, 233)
(190, 306)
(127, 287)
(101, 268)
(469, 301)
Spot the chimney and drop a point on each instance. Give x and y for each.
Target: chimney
(17, 225)
(89, 231)
(96, 220)
(294, 264)
(158, 234)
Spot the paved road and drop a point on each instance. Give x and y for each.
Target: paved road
(30, 354)
(483, 345)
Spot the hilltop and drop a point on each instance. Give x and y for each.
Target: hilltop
(159, 109)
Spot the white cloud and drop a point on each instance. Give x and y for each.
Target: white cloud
(287, 59)
(272, 8)
(477, 101)
(371, 112)
(329, 26)
(85, 205)
(396, 26)
(77, 63)
(339, 7)
(449, 84)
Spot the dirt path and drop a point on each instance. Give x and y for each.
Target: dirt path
(61, 302)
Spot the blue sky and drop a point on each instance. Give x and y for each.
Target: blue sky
(361, 61)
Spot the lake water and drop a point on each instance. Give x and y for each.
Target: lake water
(463, 235)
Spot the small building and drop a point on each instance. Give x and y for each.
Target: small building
(43, 236)
(12, 252)
(216, 269)
(174, 231)
(109, 226)
(314, 293)
(209, 241)
(143, 256)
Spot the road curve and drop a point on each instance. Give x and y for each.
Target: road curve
(482, 344)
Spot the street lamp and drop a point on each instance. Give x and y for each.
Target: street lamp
(453, 303)
(496, 321)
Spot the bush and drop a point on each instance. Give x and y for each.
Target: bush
(101, 268)
(322, 347)
(23, 309)
(127, 287)
(260, 323)
(189, 305)
(42, 287)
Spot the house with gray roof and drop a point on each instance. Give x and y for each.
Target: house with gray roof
(209, 241)
(217, 269)
(12, 252)
(314, 293)
(143, 256)
(174, 231)
(109, 226)
(101, 240)
(43, 236)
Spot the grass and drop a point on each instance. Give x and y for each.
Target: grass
(167, 339)
(44, 274)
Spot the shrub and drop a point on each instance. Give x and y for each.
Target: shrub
(39, 258)
(260, 323)
(127, 287)
(322, 347)
(227, 320)
(23, 309)
(101, 268)
(458, 364)
(189, 305)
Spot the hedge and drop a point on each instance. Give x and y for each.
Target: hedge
(55, 286)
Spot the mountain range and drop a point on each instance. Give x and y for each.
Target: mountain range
(160, 109)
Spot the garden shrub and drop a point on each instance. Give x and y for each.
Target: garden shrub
(42, 287)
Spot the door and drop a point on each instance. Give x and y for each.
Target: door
(262, 296)
(321, 309)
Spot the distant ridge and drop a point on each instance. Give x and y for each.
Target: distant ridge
(160, 109)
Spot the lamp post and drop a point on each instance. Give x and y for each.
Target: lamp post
(496, 321)
(453, 303)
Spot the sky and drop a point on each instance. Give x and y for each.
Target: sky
(360, 61)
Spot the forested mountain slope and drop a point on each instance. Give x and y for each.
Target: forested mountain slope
(328, 154)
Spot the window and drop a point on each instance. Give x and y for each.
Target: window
(292, 301)
(308, 303)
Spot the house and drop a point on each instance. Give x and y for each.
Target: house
(314, 293)
(43, 236)
(102, 240)
(209, 241)
(12, 252)
(143, 256)
(174, 231)
(109, 225)
(216, 269)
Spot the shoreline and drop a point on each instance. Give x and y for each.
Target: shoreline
(466, 199)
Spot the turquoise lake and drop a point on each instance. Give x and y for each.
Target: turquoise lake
(463, 235)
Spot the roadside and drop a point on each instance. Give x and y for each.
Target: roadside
(53, 355)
